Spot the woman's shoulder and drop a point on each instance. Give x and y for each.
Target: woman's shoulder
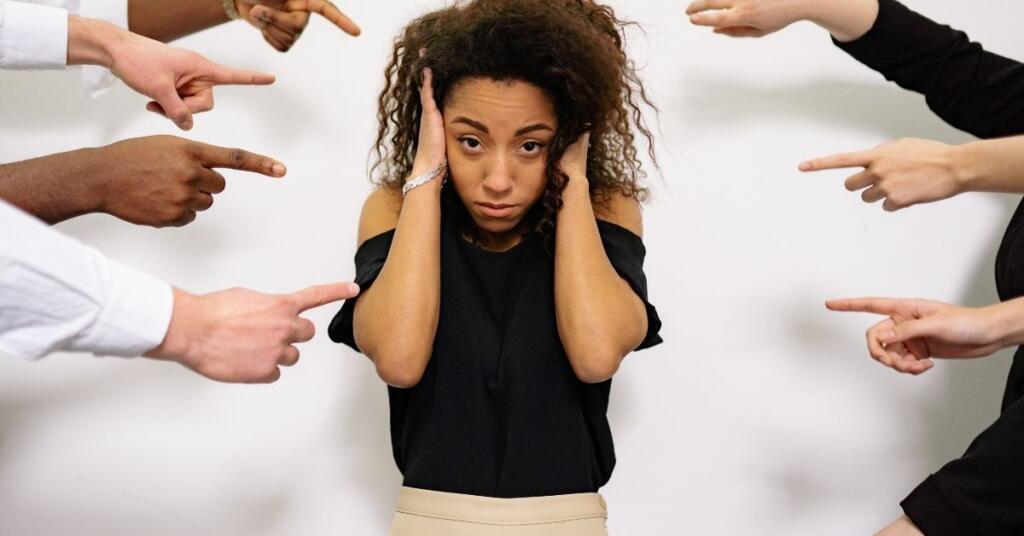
(620, 209)
(380, 212)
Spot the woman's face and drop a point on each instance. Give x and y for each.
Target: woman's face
(498, 135)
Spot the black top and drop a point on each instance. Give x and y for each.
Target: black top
(981, 93)
(499, 411)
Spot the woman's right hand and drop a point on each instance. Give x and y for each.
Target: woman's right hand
(919, 330)
(431, 149)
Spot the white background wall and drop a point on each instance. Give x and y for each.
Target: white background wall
(761, 414)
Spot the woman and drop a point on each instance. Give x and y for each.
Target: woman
(979, 92)
(501, 259)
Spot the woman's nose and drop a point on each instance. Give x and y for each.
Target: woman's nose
(499, 178)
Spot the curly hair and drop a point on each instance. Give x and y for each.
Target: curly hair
(573, 50)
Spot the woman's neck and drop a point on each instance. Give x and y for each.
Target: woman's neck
(500, 242)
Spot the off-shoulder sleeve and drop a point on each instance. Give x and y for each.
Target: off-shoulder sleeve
(968, 87)
(370, 258)
(626, 252)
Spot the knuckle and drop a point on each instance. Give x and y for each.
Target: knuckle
(282, 303)
(180, 199)
(237, 157)
(184, 169)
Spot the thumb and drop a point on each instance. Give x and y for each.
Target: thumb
(174, 108)
(914, 329)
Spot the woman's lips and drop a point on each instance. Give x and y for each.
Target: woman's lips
(495, 210)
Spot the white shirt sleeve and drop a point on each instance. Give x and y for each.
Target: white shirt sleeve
(98, 79)
(57, 294)
(33, 36)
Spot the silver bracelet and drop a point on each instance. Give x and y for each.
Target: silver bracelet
(420, 180)
(230, 10)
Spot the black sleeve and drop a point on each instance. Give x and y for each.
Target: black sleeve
(976, 91)
(981, 493)
(626, 252)
(370, 259)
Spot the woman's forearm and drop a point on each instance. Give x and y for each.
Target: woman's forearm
(167, 21)
(396, 319)
(990, 165)
(600, 318)
(1007, 322)
(846, 20)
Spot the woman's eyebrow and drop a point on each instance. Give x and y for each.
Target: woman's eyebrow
(483, 128)
(475, 124)
(532, 128)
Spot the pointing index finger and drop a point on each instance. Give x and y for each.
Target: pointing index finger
(881, 306)
(222, 74)
(703, 5)
(221, 157)
(329, 11)
(837, 161)
(323, 294)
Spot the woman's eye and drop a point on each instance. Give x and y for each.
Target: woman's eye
(532, 147)
(470, 143)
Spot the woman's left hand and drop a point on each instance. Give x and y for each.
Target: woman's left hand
(283, 21)
(574, 161)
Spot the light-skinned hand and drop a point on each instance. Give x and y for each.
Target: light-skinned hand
(919, 330)
(243, 336)
(903, 173)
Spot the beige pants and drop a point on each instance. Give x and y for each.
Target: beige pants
(433, 513)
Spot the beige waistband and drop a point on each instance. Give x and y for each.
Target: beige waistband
(492, 511)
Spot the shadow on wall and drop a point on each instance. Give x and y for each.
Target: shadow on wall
(68, 106)
(711, 101)
(362, 438)
(66, 103)
(972, 390)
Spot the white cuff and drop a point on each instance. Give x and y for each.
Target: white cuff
(33, 36)
(134, 319)
(95, 78)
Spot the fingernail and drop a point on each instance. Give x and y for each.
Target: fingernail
(353, 288)
(805, 166)
(278, 169)
(887, 336)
